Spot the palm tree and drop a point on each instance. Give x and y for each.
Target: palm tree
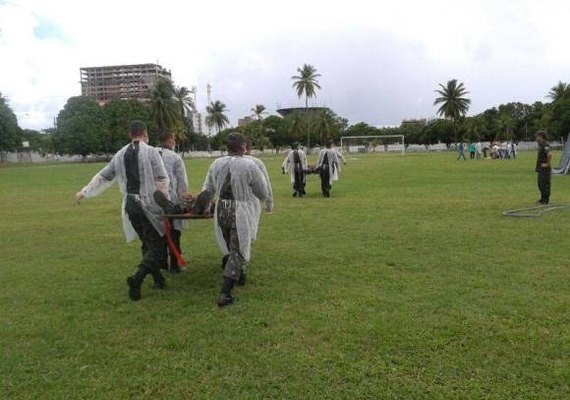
(295, 128)
(453, 103)
(216, 116)
(186, 105)
(559, 91)
(164, 108)
(184, 100)
(325, 126)
(259, 111)
(306, 82)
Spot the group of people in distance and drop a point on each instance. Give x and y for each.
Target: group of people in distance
(493, 150)
(328, 168)
(154, 182)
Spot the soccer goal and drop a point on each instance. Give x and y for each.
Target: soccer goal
(373, 144)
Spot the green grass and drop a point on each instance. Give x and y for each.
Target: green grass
(408, 283)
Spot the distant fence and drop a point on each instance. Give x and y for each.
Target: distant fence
(28, 157)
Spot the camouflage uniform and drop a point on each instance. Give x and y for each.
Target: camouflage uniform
(226, 215)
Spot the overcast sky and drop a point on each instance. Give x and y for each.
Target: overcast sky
(380, 61)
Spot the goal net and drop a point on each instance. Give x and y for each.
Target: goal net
(373, 144)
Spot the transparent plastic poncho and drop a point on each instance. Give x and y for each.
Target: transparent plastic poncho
(153, 176)
(178, 180)
(333, 161)
(268, 200)
(289, 163)
(248, 187)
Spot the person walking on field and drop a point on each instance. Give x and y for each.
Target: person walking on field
(296, 164)
(237, 183)
(178, 189)
(140, 171)
(543, 166)
(328, 164)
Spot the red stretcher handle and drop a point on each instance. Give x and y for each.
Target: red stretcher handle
(175, 250)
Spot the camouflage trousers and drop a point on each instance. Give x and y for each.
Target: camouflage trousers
(236, 264)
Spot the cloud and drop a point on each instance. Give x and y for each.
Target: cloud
(380, 61)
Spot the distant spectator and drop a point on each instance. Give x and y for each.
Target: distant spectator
(472, 151)
(461, 151)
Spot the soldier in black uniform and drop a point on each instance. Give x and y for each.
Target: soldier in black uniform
(543, 167)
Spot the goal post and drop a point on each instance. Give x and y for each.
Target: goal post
(373, 144)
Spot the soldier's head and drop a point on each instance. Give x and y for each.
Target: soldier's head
(167, 139)
(295, 145)
(236, 143)
(541, 136)
(138, 131)
(329, 144)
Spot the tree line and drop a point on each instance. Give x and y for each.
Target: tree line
(84, 127)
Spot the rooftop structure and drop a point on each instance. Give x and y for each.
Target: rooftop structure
(303, 110)
(121, 82)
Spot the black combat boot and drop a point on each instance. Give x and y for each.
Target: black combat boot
(159, 281)
(226, 297)
(135, 283)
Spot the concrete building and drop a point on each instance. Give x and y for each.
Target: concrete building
(245, 120)
(121, 82)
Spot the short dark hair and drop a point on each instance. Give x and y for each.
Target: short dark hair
(235, 142)
(543, 133)
(165, 135)
(137, 128)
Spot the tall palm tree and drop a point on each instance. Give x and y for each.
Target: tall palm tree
(184, 99)
(186, 104)
(216, 116)
(306, 82)
(453, 103)
(559, 91)
(164, 108)
(259, 111)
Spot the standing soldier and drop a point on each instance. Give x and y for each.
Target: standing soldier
(139, 170)
(543, 167)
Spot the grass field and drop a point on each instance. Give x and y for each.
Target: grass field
(408, 283)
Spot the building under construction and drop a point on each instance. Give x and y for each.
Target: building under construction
(121, 82)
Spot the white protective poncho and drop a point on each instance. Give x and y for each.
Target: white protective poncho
(333, 161)
(178, 180)
(268, 200)
(248, 185)
(289, 163)
(153, 176)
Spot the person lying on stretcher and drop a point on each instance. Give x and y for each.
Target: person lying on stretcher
(199, 206)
